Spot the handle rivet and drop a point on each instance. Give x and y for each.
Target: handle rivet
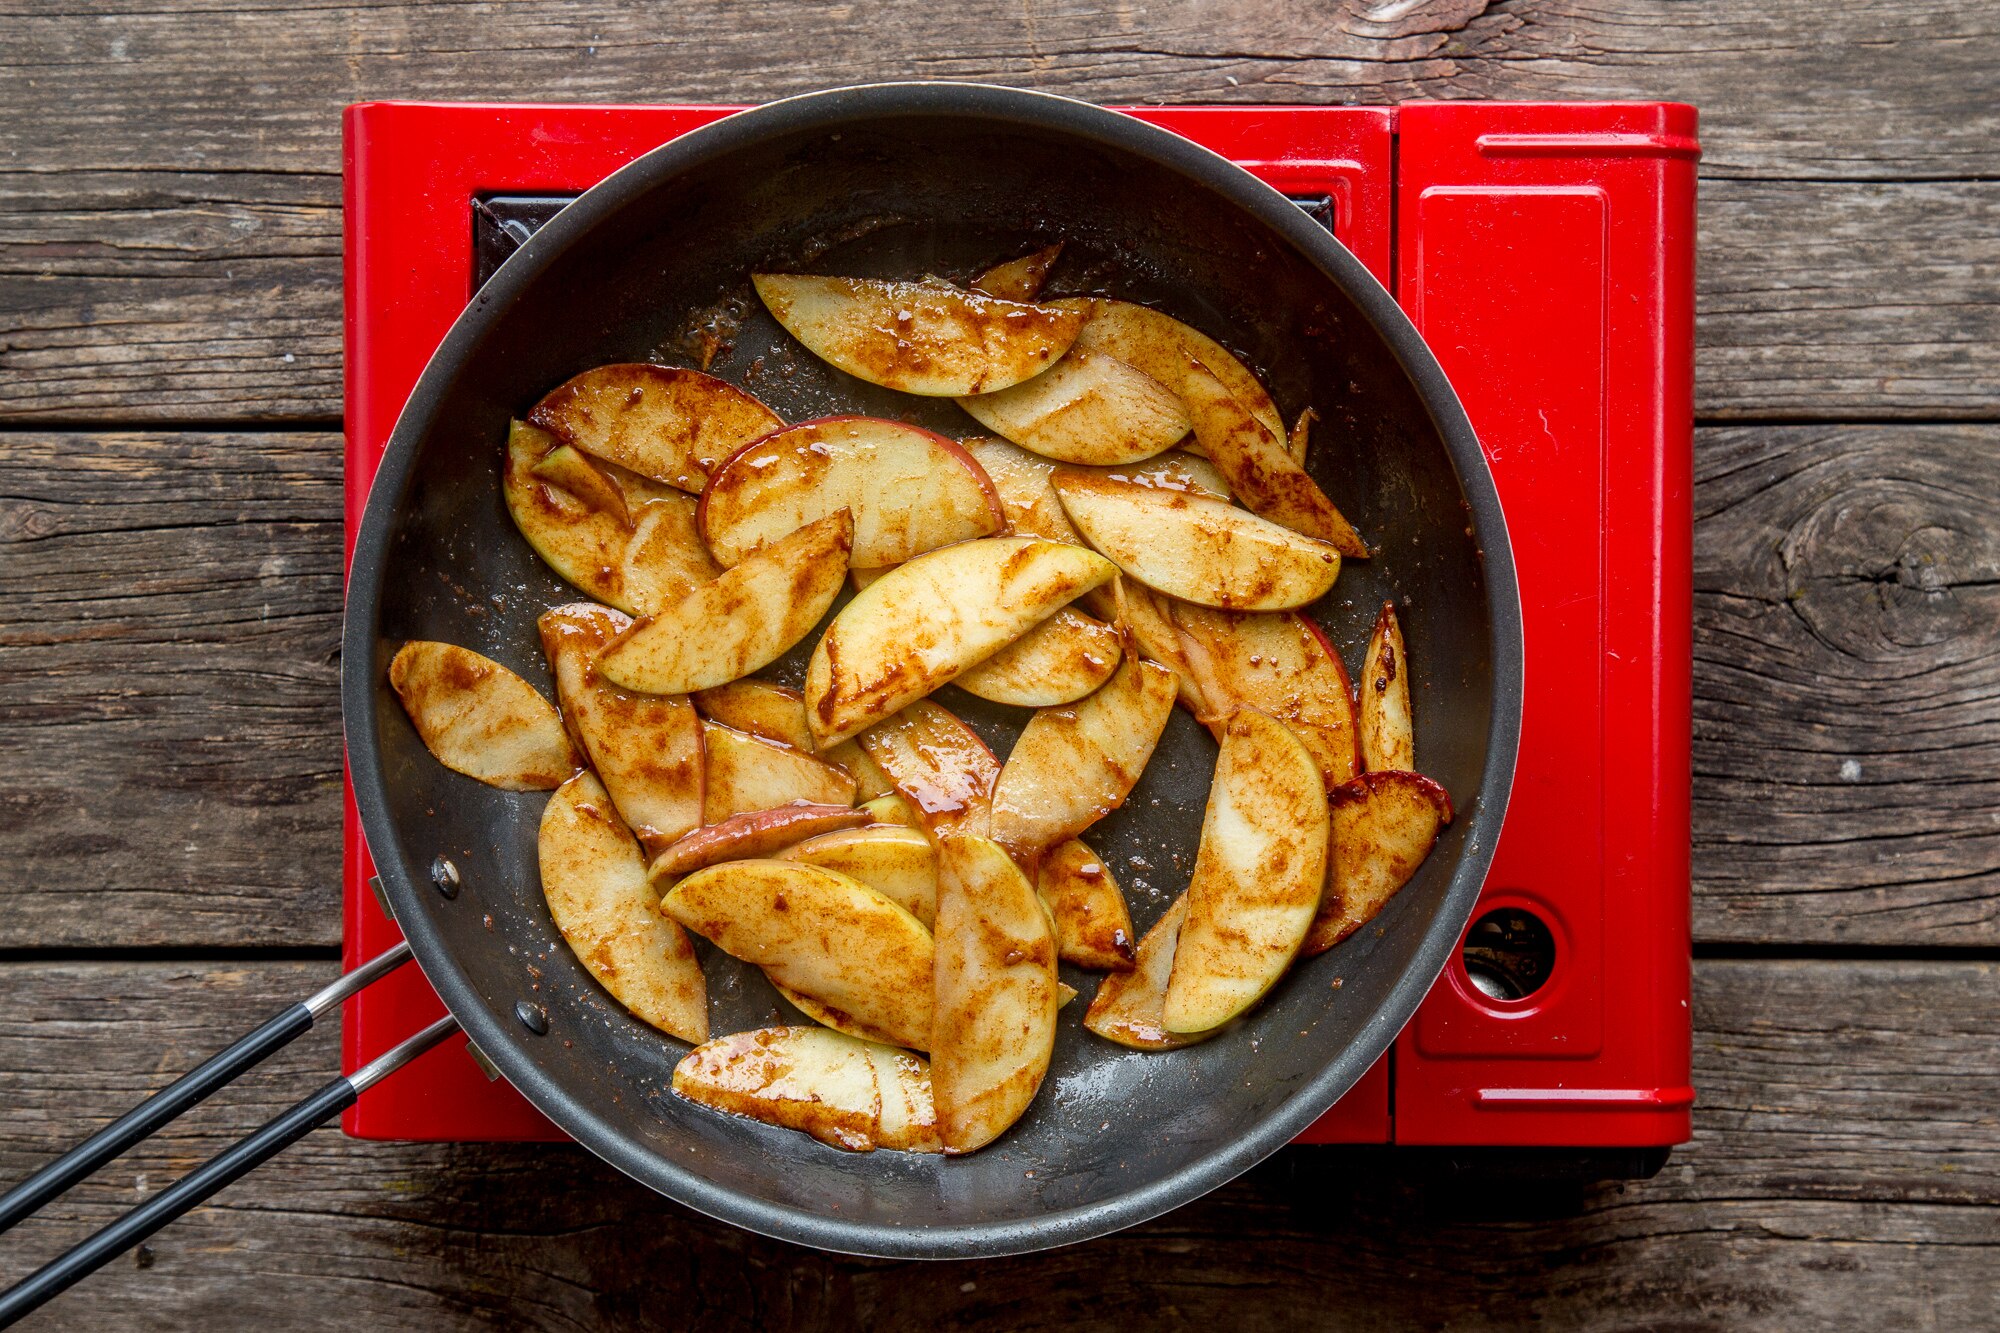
(533, 1017)
(445, 875)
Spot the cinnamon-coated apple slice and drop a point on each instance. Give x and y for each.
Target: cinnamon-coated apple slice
(741, 621)
(1196, 548)
(590, 481)
(1029, 498)
(850, 1094)
(662, 422)
(1086, 408)
(1093, 924)
(478, 718)
(1256, 878)
(748, 773)
(750, 835)
(778, 713)
(1388, 737)
(898, 863)
(925, 338)
(910, 490)
(636, 555)
(1076, 764)
(926, 621)
(1019, 279)
(819, 933)
(994, 1028)
(1278, 662)
(892, 811)
(827, 1015)
(940, 768)
(1384, 825)
(1259, 467)
(646, 748)
(594, 878)
(1057, 662)
(1127, 1006)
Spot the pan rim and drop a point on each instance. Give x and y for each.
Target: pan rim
(1483, 815)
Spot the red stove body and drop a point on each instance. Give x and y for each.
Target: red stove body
(1547, 253)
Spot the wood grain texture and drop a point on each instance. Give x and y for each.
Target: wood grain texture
(1845, 1175)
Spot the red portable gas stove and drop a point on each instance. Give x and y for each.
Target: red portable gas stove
(1547, 253)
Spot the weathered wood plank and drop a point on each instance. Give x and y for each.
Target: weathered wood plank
(1845, 1175)
(171, 662)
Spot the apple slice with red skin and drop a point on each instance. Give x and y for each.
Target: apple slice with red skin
(740, 622)
(1257, 877)
(1093, 924)
(850, 1094)
(662, 422)
(747, 773)
(1278, 663)
(646, 748)
(910, 490)
(1075, 764)
(1384, 826)
(926, 338)
(939, 766)
(1086, 408)
(750, 835)
(478, 718)
(1127, 1006)
(1388, 736)
(1019, 279)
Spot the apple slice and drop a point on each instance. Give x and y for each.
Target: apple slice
(662, 422)
(646, 748)
(1256, 878)
(898, 863)
(1086, 408)
(927, 338)
(746, 773)
(758, 708)
(827, 1016)
(910, 490)
(1127, 1006)
(1388, 737)
(1076, 764)
(742, 621)
(1019, 279)
(819, 933)
(892, 811)
(480, 719)
(1196, 548)
(1384, 825)
(924, 622)
(996, 1001)
(585, 478)
(941, 769)
(1093, 925)
(869, 781)
(594, 878)
(1277, 662)
(750, 835)
(1162, 346)
(1301, 436)
(848, 1094)
(1057, 662)
(1259, 468)
(639, 555)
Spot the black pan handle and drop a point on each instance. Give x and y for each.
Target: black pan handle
(226, 1166)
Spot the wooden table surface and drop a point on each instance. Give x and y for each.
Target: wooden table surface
(170, 541)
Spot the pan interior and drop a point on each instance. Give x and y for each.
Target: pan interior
(664, 276)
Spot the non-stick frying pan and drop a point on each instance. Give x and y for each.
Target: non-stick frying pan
(905, 180)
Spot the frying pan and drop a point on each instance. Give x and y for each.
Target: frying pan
(904, 180)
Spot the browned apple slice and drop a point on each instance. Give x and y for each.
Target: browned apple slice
(1257, 876)
(910, 490)
(819, 933)
(1259, 468)
(645, 747)
(996, 1001)
(1086, 408)
(1196, 548)
(746, 773)
(1301, 437)
(827, 1015)
(869, 781)
(1388, 738)
(1019, 279)
(480, 719)
(1277, 662)
(846, 1093)
(752, 834)
(638, 556)
(892, 811)
(1384, 825)
(898, 863)
(586, 479)
(662, 422)
(758, 708)
(939, 766)
(1161, 346)
(924, 338)
(743, 620)
(1127, 1006)
(1093, 925)
(594, 878)
(1057, 662)
(1076, 764)
(926, 621)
